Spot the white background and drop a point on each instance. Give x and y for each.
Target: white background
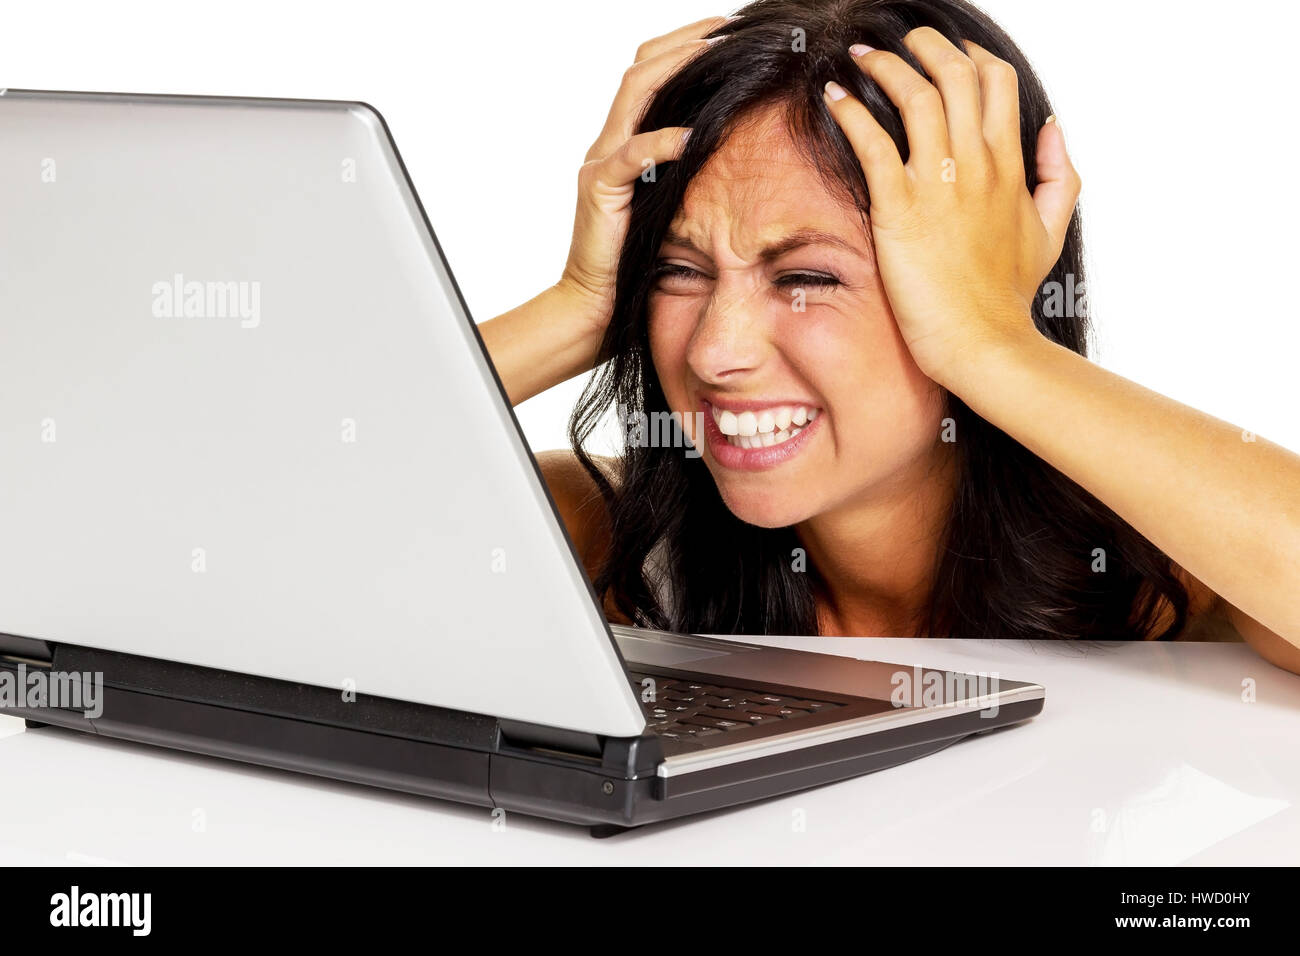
(1182, 129)
(1183, 133)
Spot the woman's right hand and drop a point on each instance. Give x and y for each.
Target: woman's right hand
(557, 334)
(615, 161)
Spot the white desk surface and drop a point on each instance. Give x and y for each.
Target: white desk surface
(1144, 754)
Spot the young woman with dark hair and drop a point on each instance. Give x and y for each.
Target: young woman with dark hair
(856, 285)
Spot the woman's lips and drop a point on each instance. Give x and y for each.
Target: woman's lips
(764, 455)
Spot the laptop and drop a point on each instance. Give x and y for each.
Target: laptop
(263, 498)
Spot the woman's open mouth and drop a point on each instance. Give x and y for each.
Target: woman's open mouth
(756, 437)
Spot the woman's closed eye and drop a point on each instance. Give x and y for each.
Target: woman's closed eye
(675, 273)
(816, 280)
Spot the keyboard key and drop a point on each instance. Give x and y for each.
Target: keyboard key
(720, 714)
(775, 711)
(719, 723)
(716, 703)
(813, 705)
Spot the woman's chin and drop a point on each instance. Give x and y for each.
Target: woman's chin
(766, 510)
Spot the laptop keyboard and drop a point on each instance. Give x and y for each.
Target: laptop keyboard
(697, 710)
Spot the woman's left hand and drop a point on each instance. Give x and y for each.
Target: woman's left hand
(960, 243)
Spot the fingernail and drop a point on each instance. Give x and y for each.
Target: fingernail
(686, 136)
(1050, 119)
(835, 91)
(715, 39)
(734, 16)
(858, 49)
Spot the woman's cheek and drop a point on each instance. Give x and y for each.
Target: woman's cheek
(842, 349)
(857, 361)
(670, 325)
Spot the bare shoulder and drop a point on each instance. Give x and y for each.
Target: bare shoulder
(579, 502)
(561, 465)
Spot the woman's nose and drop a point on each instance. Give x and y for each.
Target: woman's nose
(732, 335)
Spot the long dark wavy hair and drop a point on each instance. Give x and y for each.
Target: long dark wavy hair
(1021, 540)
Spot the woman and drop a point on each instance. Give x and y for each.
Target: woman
(857, 285)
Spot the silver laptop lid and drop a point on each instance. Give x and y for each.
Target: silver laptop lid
(246, 422)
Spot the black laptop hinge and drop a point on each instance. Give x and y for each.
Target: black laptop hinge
(626, 757)
(25, 650)
(527, 736)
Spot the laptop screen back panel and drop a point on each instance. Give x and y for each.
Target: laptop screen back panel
(246, 422)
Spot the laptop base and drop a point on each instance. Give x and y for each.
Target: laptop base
(608, 785)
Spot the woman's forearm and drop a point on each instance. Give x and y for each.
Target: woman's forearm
(1222, 503)
(549, 339)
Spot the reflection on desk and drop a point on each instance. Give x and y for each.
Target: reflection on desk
(1144, 754)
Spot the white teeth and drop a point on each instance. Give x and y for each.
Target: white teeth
(764, 439)
(765, 428)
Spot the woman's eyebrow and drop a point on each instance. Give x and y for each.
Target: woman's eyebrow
(775, 250)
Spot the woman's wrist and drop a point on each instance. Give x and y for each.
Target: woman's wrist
(976, 367)
(587, 309)
(545, 341)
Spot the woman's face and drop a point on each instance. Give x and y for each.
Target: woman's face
(774, 326)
